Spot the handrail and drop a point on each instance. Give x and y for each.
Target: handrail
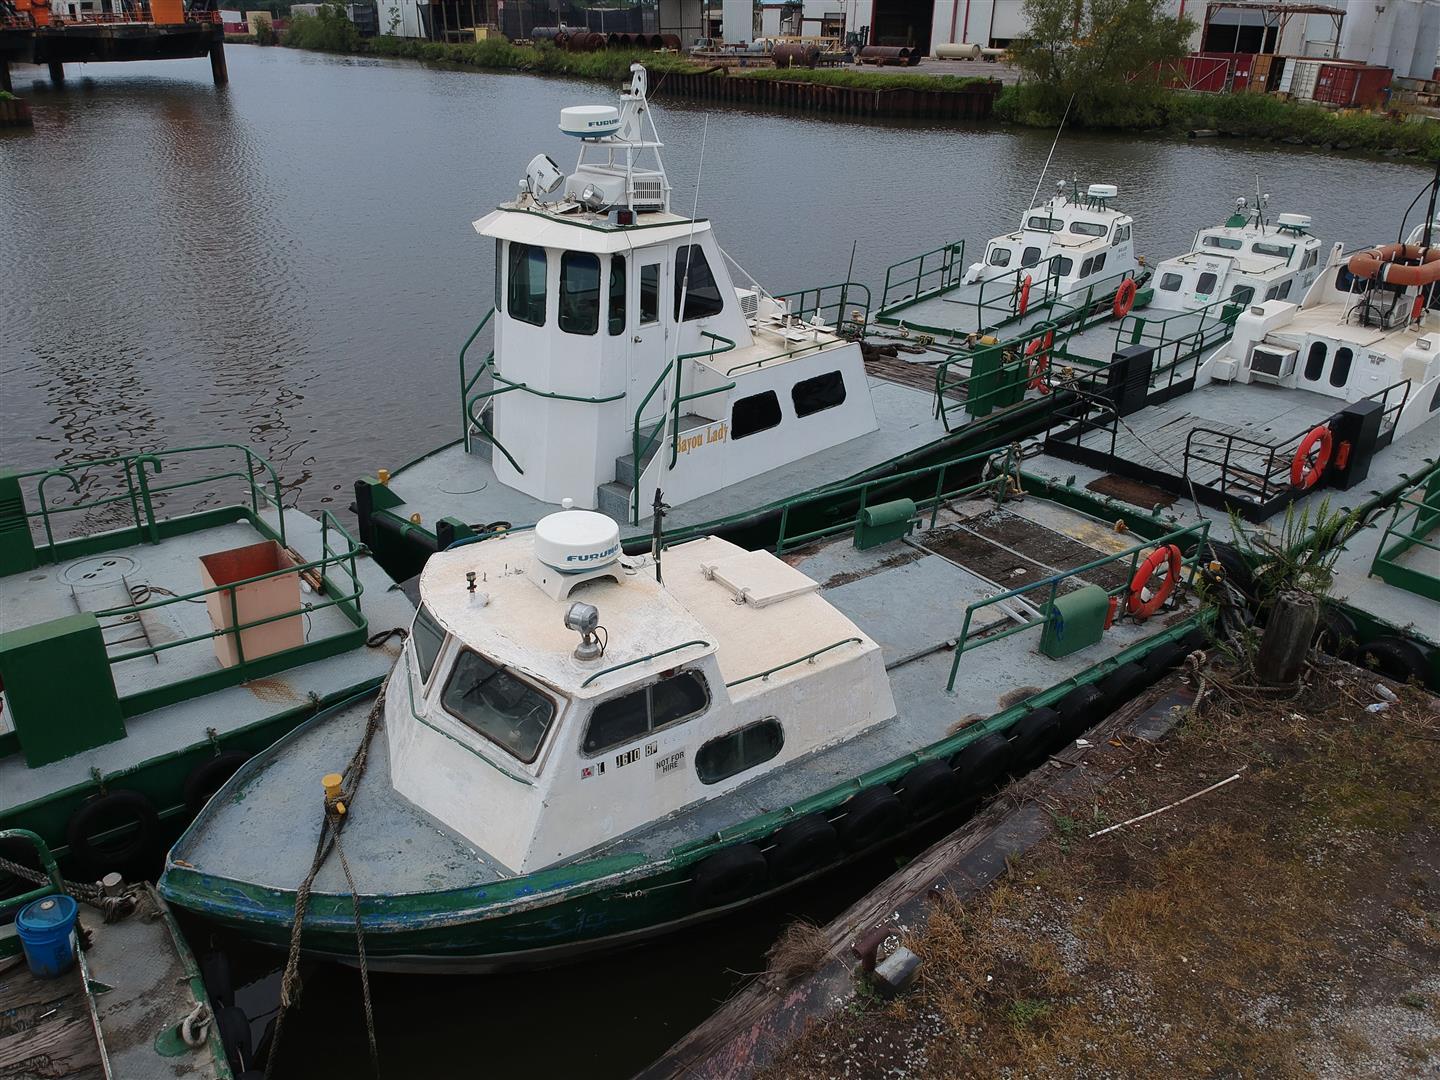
(465, 384)
(47, 863)
(1200, 530)
(1272, 461)
(637, 450)
(831, 494)
(236, 628)
(810, 656)
(140, 493)
(1137, 325)
(477, 424)
(642, 659)
(845, 287)
(952, 258)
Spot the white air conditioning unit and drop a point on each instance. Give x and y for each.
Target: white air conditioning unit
(1271, 364)
(749, 303)
(649, 192)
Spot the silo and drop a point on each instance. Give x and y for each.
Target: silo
(1404, 33)
(1427, 43)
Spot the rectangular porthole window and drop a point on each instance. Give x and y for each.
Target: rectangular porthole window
(1284, 293)
(1315, 361)
(498, 705)
(634, 715)
(579, 292)
(1340, 370)
(702, 293)
(1088, 228)
(759, 412)
(1063, 266)
(1099, 263)
(1224, 243)
(427, 636)
(617, 294)
(1242, 294)
(1279, 251)
(1170, 282)
(1030, 256)
(1085, 267)
(649, 293)
(1041, 223)
(817, 394)
(1206, 284)
(1000, 256)
(719, 759)
(525, 274)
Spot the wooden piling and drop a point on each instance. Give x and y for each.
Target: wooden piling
(1287, 639)
(57, 72)
(218, 71)
(5, 77)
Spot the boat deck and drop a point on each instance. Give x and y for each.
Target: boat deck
(1407, 611)
(48, 1026)
(909, 595)
(452, 482)
(172, 564)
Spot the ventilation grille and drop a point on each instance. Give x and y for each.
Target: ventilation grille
(649, 193)
(749, 302)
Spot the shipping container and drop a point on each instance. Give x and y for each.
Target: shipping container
(1260, 74)
(1303, 74)
(1206, 74)
(1352, 85)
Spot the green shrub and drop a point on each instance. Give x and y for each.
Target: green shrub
(862, 80)
(328, 31)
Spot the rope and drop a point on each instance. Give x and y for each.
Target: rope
(336, 813)
(375, 640)
(114, 908)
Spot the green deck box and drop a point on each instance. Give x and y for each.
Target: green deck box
(1076, 621)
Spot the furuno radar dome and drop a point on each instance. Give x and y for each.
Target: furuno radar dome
(574, 546)
(590, 121)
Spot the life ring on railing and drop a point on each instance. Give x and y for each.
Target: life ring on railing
(1125, 298)
(1024, 296)
(1038, 353)
(1419, 307)
(1143, 602)
(1305, 473)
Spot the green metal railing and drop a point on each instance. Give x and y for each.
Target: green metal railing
(642, 659)
(1192, 536)
(56, 884)
(677, 399)
(810, 657)
(141, 491)
(1416, 517)
(848, 310)
(348, 602)
(919, 281)
(1181, 336)
(466, 382)
(1002, 473)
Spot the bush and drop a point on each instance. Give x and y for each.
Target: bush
(863, 80)
(328, 31)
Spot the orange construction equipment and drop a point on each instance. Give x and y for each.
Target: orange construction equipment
(1397, 264)
(167, 12)
(38, 10)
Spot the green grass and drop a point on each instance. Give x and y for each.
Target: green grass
(499, 55)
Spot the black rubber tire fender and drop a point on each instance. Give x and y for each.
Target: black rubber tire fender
(1335, 633)
(1237, 570)
(802, 847)
(982, 764)
(99, 814)
(234, 1028)
(1034, 736)
(218, 977)
(209, 777)
(930, 788)
(21, 851)
(1395, 658)
(1080, 710)
(1122, 684)
(870, 816)
(1162, 658)
(729, 876)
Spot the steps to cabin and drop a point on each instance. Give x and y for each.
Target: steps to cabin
(613, 499)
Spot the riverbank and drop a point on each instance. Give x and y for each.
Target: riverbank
(1286, 922)
(1157, 111)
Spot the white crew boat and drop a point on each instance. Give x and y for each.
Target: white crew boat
(1241, 262)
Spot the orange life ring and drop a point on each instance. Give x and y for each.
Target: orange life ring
(1142, 606)
(1304, 473)
(1038, 352)
(1124, 298)
(1024, 295)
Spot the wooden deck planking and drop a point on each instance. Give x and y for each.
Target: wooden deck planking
(45, 1027)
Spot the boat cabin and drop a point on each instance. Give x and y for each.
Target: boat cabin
(1077, 239)
(1241, 262)
(627, 359)
(593, 701)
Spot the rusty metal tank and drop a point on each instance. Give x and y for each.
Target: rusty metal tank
(792, 54)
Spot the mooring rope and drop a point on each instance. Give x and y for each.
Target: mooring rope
(337, 811)
(114, 907)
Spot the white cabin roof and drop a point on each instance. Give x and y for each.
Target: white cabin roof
(585, 231)
(512, 621)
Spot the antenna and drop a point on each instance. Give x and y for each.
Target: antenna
(673, 413)
(1054, 144)
(1259, 205)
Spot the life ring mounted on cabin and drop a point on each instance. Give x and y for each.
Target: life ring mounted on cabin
(1306, 470)
(1024, 303)
(1144, 601)
(1124, 298)
(1038, 353)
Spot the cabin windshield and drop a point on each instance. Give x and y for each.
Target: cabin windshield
(498, 705)
(1041, 223)
(1224, 243)
(1088, 228)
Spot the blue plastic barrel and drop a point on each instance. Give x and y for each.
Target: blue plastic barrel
(46, 930)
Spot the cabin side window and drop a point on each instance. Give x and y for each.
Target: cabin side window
(649, 293)
(617, 294)
(1170, 282)
(634, 715)
(1063, 265)
(1030, 256)
(1087, 228)
(1242, 294)
(499, 272)
(1099, 263)
(1086, 266)
(694, 278)
(1311, 258)
(427, 636)
(1278, 251)
(492, 702)
(1205, 284)
(759, 412)
(1315, 361)
(719, 759)
(579, 292)
(999, 256)
(1340, 370)
(1224, 243)
(1122, 233)
(525, 273)
(815, 395)
(1041, 223)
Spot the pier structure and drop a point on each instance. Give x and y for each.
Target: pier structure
(32, 33)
